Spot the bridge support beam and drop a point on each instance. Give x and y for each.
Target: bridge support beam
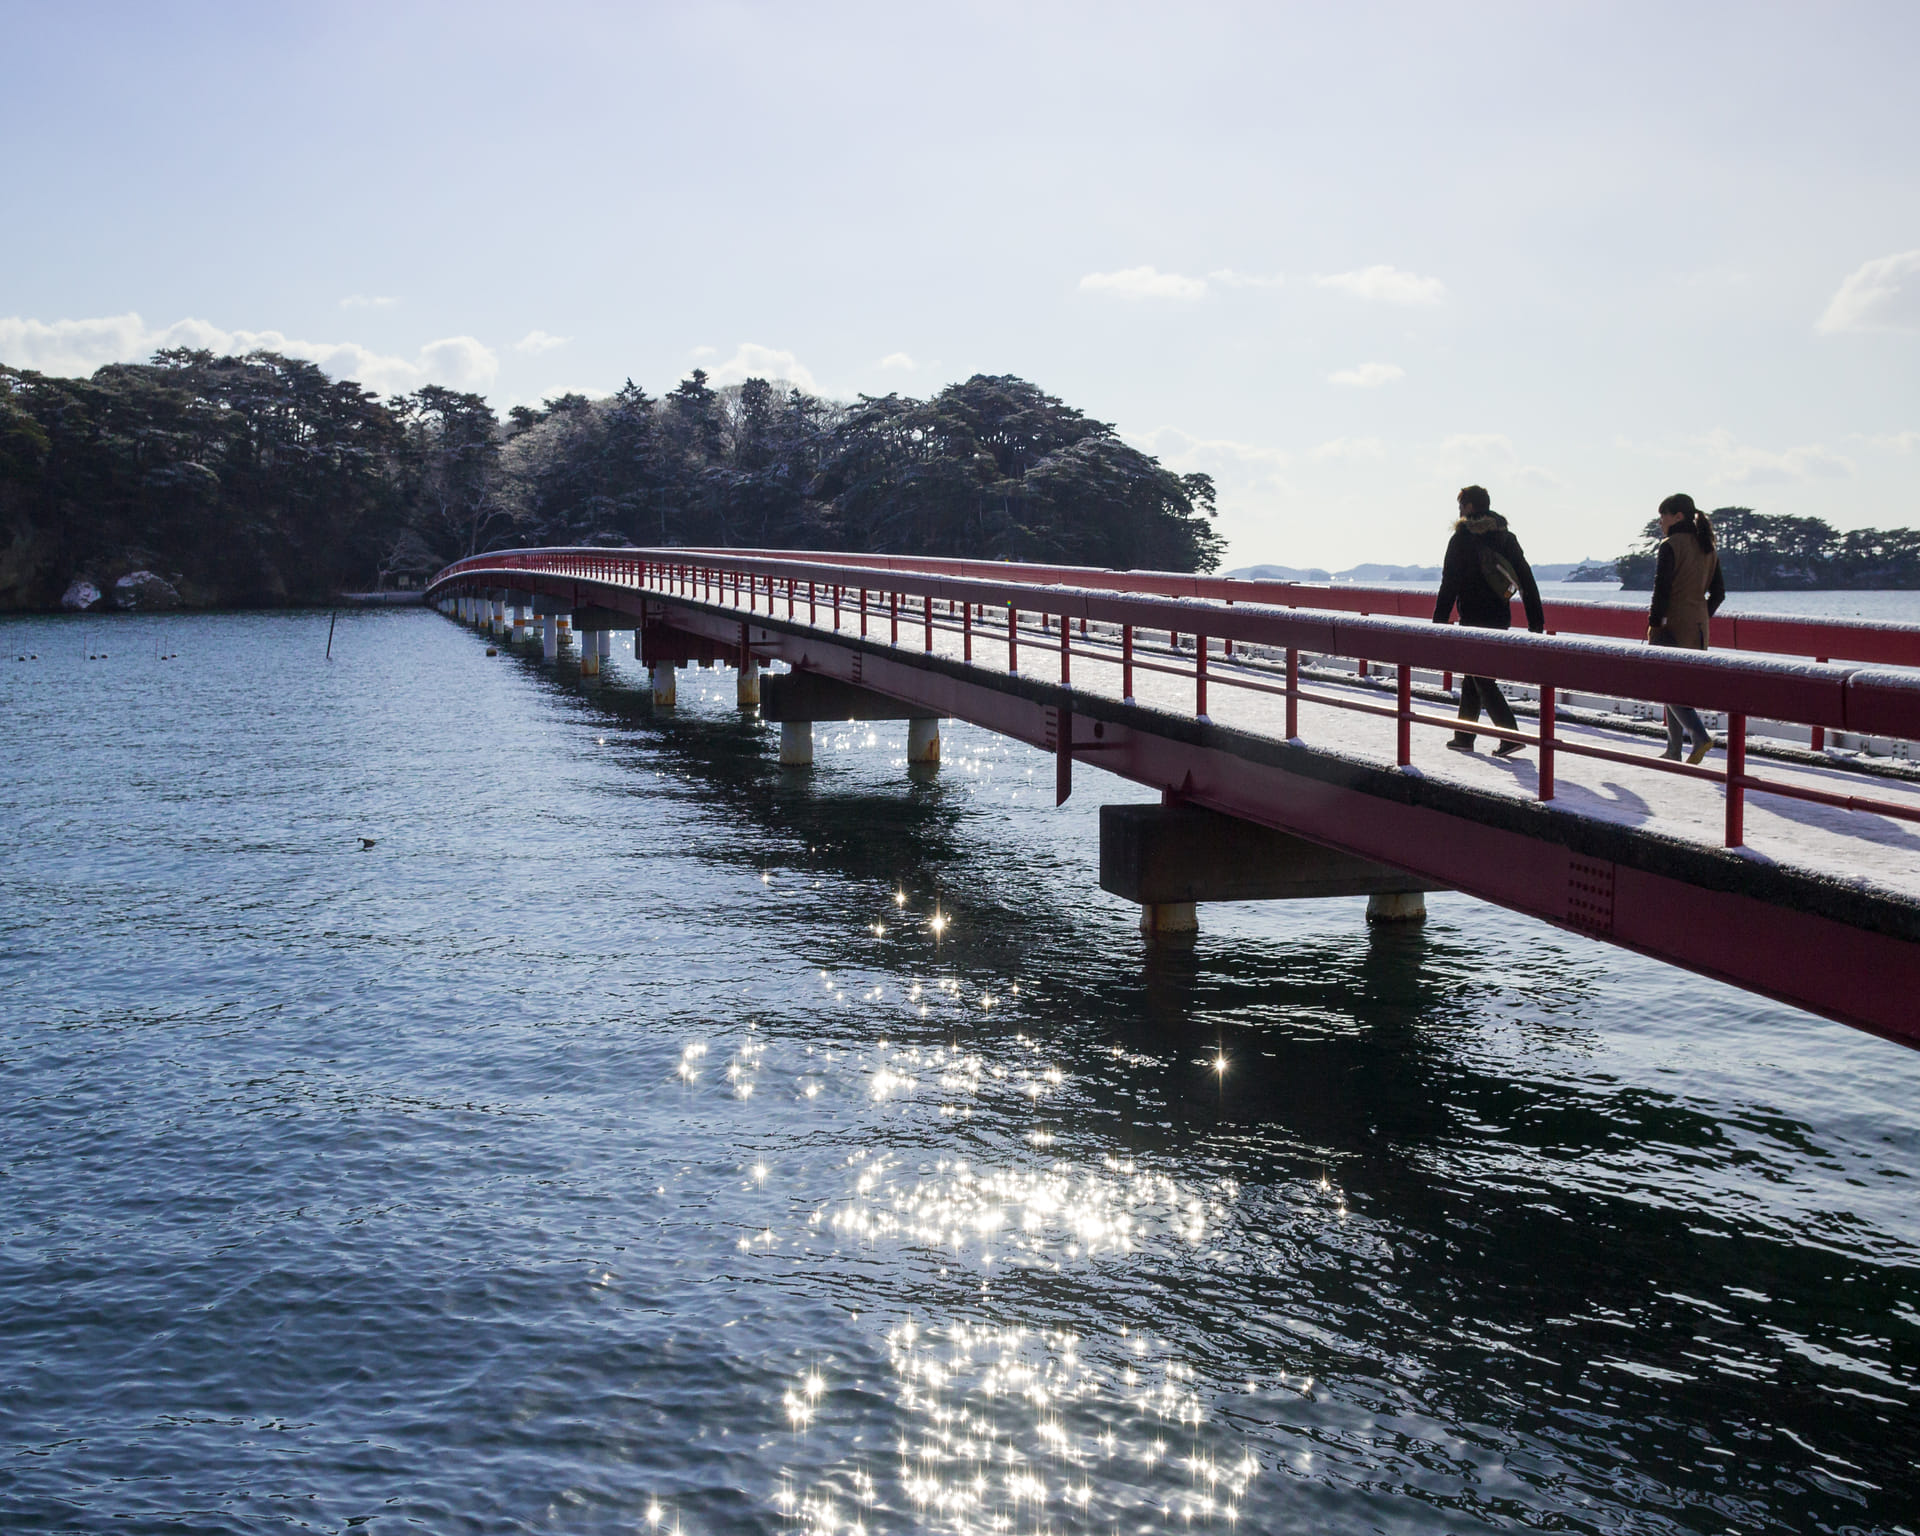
(796, 743)
(747, 691)
(1170, 857)
(665, 690)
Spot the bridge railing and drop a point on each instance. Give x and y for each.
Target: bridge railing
(1893, 645)
(1012, 610)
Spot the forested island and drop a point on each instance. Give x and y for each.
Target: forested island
(1761, 553)
(259, 480)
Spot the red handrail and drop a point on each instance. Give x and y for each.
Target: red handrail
(1816, 694)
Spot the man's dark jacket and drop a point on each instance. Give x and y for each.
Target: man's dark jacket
(1463, 581)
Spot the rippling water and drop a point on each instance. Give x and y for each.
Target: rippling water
(616, 1145)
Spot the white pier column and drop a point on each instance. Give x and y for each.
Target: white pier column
(603, 642)
(747, 691)
(1397, 907)
(923, 741)
(519, 623)
(549, 637)
(1168, 919)
(664, 679)
(796, 743)
(565, 622)
(589, 653)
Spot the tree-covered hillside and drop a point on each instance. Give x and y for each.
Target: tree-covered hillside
(258, 480)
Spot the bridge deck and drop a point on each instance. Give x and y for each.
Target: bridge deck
(1872, 851)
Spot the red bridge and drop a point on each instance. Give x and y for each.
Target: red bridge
(1294, 732)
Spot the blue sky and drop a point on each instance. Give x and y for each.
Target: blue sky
(1343, 258)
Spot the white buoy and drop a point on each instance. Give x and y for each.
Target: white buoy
(796, 743)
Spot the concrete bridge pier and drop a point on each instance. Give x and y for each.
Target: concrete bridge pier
(1397, 907)
(794, 700)
(747, 690)
(603, 643)
(796, 743)
(1169, 858)
(564, 633)
(589, 653)
(549, 637)
(665, 685)
(519, 624)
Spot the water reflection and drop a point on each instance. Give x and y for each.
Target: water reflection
(832, 1156)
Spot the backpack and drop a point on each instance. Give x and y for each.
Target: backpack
(1497, 572)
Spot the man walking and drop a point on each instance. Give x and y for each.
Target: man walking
(1484, 567)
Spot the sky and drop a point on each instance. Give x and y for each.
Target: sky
(1345, 259)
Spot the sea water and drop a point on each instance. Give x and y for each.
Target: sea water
(441, 1095)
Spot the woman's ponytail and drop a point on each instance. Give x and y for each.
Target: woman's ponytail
(1691, 518)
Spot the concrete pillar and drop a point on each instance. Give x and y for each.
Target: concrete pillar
(923, 741)
(1169, 919)
(796, 743)
(498, 626)
(519, 623)
(664, 685)
(589, 653)
(1397, 907)
(549, 637)
(747, 693)
(564, 624)
(603, 641)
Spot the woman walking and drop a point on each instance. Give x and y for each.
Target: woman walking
(1688, 590)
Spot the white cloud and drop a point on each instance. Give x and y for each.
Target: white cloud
(704, 352)
(367, 301)
(1351, 448)
(1368, 375)
(1882, 295)
(1226, 277)
(1144, 283)
(1387, 285)
(1898, 442)
(1236, 467)
(753, 361)
(1489, 459)
(1732, 462)
(540, 341)
(77, 347)
(900, 361)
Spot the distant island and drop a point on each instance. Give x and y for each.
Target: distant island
(1758, 553)
(1362, 575)
(1761, 553)
(202, 481)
